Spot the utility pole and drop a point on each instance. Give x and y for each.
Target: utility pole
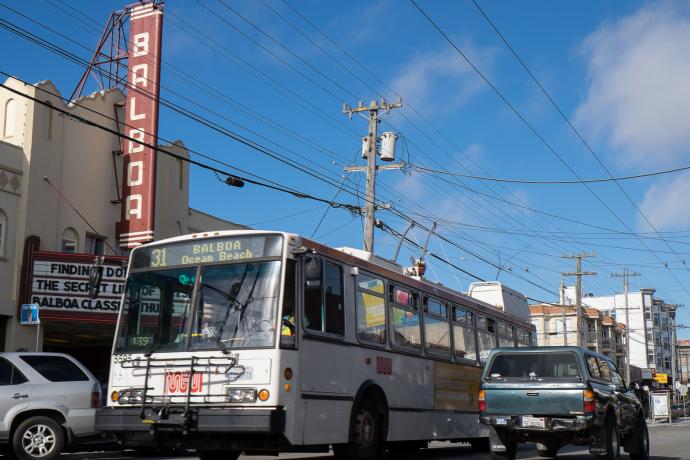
(370, 151)
(578, 273)
(626, 276)
(565, 329)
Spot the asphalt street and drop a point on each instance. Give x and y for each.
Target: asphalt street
(667, 443)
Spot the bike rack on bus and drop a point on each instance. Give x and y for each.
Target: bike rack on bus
(191, 363)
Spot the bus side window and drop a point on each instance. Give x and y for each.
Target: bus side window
(371, 309)
(486, 337)
(287, 327)
(323, 298)
(436, 327)
(464, 334)
(313, 289)
(404, 318)
(335, 323)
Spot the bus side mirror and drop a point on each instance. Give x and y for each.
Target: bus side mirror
(95, 277)
(312, 269)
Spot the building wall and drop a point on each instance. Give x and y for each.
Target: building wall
(85, 173)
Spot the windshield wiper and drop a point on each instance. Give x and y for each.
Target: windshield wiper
(232, 300)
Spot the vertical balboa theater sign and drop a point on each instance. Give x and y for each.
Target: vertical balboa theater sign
(141, 126)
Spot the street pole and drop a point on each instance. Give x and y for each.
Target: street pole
(371, 168)
(626, 276)
(673, 356)
(565, 329)
(578, 288)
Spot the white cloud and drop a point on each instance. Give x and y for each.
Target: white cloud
(441, 78)
(665, 204)
(638, 99)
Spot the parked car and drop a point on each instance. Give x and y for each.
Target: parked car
(555, 396)
(47, 402)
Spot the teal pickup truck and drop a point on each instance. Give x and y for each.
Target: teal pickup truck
(555, 396)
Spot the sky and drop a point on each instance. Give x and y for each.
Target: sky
(610, 99)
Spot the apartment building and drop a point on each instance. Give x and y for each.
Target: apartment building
(557, 326)
(651, 324)
(683, 364)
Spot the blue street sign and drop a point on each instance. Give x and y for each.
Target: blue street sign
(30, 314)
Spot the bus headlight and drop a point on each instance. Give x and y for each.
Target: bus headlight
(241, 395)
(131, 396)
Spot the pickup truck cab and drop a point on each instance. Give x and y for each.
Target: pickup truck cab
(555, 396)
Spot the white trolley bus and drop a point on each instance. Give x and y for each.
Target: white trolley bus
(258, 341)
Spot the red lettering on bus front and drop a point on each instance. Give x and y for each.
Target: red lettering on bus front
(177, 382)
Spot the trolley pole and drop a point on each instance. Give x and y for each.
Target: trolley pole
(578, 273)
(371, 168)
(626, 276)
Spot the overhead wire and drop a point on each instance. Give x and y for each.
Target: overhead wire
(539, 136)
(367, 70)
(572, 127)
(224, 21)
(549, 182)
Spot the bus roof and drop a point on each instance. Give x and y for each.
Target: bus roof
(371, 262)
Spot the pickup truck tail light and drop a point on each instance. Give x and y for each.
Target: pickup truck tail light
(589, 403)
(482, 401)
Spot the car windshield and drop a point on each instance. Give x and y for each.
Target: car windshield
(533, 366)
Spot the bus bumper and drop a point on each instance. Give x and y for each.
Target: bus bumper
(201, 420)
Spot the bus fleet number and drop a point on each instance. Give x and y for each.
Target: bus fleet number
(384, 366)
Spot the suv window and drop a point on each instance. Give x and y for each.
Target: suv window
(55, 368)
(10, 375)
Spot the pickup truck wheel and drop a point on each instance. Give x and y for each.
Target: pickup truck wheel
(642, 448)
(38, 438)
(613, 445)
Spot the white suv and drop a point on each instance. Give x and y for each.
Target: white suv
(47, 401)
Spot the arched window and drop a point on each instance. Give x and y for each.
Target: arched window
(3, 234)
(70, 241)
(10, 118)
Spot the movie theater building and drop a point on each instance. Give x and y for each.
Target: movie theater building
(60, 186)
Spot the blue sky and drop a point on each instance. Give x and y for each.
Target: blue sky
(617, 69)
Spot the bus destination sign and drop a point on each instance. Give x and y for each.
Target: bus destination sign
(210, 250)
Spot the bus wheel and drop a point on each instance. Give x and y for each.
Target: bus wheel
(366, 435)
(217, 454)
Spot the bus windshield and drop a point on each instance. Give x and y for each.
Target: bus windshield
(236, 307)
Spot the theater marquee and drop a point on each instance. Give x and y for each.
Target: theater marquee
(60, 286)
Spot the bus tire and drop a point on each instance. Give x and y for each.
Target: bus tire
(218, 454)
(366, 434)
